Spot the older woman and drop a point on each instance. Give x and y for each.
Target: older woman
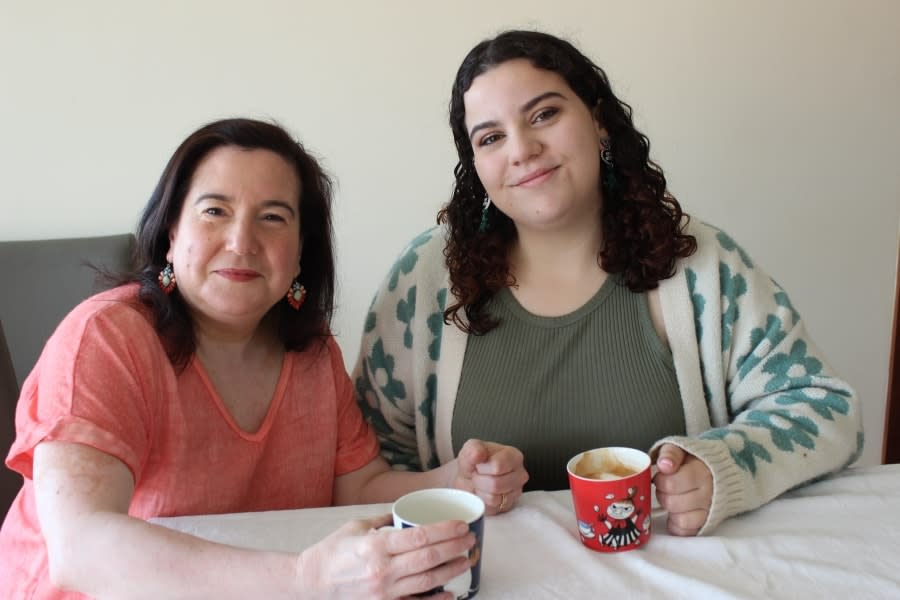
(208, 382)
(568, 304)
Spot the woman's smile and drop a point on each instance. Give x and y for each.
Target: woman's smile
(239, 275)
(535, 177)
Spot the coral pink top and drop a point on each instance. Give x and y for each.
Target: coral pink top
(104, 380)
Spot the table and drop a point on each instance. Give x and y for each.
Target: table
(837, 538)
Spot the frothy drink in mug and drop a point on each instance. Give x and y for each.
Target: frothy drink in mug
(602, 465)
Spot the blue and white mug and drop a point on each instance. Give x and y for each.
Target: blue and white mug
(445, 504)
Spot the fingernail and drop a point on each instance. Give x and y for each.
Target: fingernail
(666, 462)
(462, 529)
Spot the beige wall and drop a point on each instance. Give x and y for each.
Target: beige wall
(777, 121)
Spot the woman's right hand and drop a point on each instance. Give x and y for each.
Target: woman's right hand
(361, 561)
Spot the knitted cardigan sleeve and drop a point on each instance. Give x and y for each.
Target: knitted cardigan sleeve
(395, 373)
(779, 415)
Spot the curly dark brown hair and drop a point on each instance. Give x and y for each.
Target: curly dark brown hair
(642, 224)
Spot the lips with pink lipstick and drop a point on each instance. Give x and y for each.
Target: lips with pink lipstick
(536, 177)
(238, 275)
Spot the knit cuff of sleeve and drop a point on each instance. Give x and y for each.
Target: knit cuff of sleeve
(729, 483)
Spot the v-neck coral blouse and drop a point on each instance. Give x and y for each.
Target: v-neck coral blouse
(104, 380)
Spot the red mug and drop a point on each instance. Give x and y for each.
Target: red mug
(611, 495)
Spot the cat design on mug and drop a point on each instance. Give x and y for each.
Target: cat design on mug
(621, 521)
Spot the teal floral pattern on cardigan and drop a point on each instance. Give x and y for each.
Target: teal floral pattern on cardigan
(406, 310)
(733, 287)
(743, 449)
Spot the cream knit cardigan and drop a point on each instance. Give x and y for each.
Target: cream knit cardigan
(762, 409)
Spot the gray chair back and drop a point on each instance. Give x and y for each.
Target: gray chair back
(45, 279)
(10, 482)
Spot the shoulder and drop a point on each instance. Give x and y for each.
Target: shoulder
(426, 241)
(419, 272)
(721, 273)
(332, 352)
(114, 310)
(422, 255)
(714, 244)
(107, 341)
(321, 354)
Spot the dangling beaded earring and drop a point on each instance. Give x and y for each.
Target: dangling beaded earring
(606, 156)
(484, 225)
(296, 296)
(167, 279)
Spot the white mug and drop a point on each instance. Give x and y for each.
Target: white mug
(444, 504)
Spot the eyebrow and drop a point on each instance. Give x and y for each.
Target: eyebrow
(266, 204)
(525, 108)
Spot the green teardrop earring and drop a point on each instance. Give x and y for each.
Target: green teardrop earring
(484, 225)
(606, 156)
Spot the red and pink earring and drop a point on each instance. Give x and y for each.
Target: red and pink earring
(296, 295)
(167, 279)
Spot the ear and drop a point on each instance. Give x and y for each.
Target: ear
(598, 122)
(173, 232)
(299, 259)
(602, 134)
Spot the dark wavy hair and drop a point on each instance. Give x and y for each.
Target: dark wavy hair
(295, 327)
(642, 224)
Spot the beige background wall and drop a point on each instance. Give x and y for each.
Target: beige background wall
(777, 121)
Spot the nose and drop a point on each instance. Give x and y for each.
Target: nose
(524, 145)
(242, 237)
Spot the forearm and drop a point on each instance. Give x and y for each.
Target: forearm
(377, 482)
(110, 555)
(780, 417)
(777, 445)
(93, 546)
(390, 485)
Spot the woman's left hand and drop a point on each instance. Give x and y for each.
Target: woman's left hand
(684, 487)
(496, 473)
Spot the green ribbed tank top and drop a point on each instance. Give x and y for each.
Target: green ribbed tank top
(554, 386)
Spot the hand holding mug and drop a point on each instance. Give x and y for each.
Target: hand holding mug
(423, 508)
(494, 472)
(359, 560)
(684, 487)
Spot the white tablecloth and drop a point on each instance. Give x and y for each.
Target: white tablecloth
(838, 538)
